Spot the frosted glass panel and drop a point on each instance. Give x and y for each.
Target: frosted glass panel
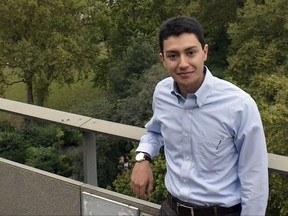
(96, 205)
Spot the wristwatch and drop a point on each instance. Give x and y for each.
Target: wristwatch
(142, 156)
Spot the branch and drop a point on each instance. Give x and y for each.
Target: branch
(11, 83)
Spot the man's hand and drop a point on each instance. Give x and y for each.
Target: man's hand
(142, 179)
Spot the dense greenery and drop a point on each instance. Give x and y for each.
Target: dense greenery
(43, 146)
(63, 41)
(49, 40)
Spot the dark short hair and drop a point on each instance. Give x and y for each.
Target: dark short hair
(176, 26)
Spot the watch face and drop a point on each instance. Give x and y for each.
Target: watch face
(140, 156)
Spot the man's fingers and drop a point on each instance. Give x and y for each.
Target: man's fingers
(136, 188)
(142, 179)
(150, 188)
(142, 190)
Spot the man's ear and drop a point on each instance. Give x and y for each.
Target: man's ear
(206, 51)
(161, 56)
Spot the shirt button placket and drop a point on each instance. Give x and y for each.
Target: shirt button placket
(186, 164)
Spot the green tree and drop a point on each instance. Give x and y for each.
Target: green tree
(45, 158)
(48, 40)
(138, 57)
(259, 41)
(133, 20)
(140, 17)
(46, 147)
(136, 109)
(215, 17)
(12, 145)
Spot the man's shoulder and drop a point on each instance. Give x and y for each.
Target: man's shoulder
(228, 88)
(166, 83)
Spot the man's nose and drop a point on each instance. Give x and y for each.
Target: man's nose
(183, 61)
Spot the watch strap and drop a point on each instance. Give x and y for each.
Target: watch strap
(145, 157)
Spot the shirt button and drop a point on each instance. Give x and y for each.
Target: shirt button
(185, 180)
(187, 157)
(185, 135)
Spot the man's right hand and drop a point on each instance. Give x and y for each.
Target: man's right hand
(142, 179)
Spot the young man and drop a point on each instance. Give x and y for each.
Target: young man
(211, 131)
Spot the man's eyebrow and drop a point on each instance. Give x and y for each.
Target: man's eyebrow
(189, 48)
(175, 51)
(171, 51)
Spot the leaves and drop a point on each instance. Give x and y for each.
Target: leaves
(46, 41)
(138, 57)
(259, 40)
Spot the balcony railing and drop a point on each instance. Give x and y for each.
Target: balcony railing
(29, 191)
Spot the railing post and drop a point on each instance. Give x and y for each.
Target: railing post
(89, 158)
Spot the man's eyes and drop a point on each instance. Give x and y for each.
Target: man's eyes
(174, 56)
(191, 53)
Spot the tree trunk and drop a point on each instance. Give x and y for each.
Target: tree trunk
(30, 99)
(41, 92)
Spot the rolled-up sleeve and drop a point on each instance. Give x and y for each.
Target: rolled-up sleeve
(152, 140)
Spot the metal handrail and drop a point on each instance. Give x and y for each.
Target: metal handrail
(89, 126)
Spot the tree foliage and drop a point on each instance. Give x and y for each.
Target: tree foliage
(140, 95)
(215, 17)
(133, 22)
(133, 17)
(138, 57)
(44, 147)
(48, 40)
(259, 40)
(12, 146)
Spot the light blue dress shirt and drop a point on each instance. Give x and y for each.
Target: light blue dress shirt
(214, 145)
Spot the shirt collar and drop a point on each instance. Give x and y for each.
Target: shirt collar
(202, 93)
(204, 90)
(175, 91)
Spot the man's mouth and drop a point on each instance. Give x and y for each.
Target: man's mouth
(184, 74)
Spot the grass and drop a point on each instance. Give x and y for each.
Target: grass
(61, 97)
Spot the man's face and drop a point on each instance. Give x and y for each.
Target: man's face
(184, 58)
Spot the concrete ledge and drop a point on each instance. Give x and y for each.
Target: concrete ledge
(29, 191)
(35, 192)
(278, 163)
(8, 210)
